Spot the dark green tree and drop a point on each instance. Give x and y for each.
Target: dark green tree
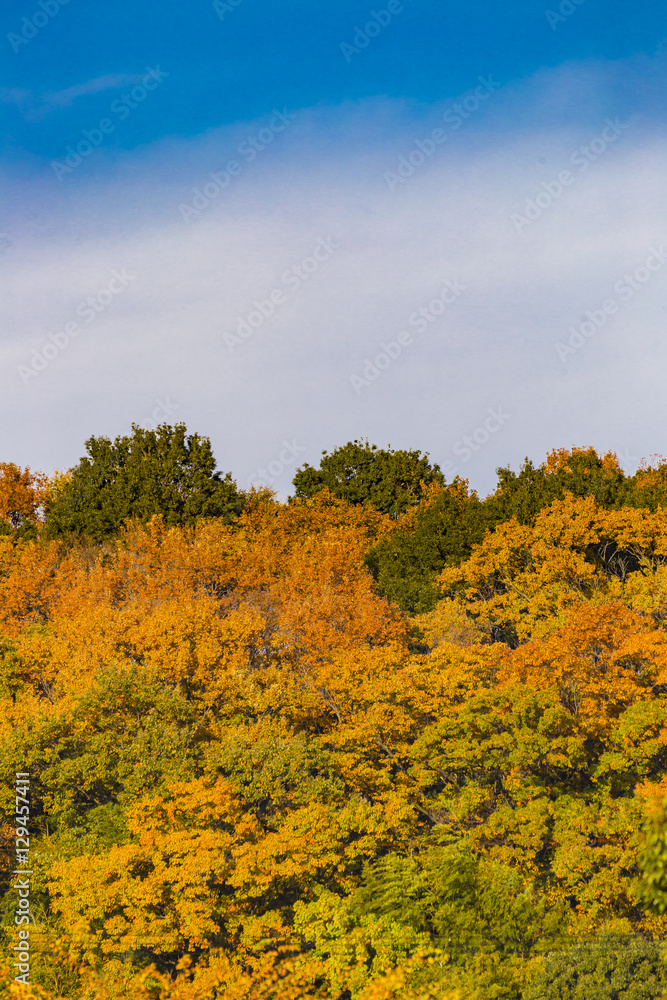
(609, 969)
(359, 472)
(166, 471)
(465, 904)
(580, 471)
(648, 487)
(442, 533)
(406, 564)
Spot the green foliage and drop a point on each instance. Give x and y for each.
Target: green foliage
(273, 769)
(636, 750)
(647, 488)
(353, 947)
(581, 472)
(612, 969)
(463, 903)
(10, 669)
(391, 481)
(442, 533)
(406, 564)
(241, 772)
(478, 916)
(652, 887)
(126, 734)
(163, 472)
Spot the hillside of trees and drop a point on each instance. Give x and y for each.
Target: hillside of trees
(386, 739)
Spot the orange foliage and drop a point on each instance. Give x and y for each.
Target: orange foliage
(22, 494)
(197, 603)
(561, 459)
(322, 740)
(601, 660)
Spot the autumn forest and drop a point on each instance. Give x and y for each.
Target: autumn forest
(385, 739)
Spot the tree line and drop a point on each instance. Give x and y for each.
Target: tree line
(385, 739)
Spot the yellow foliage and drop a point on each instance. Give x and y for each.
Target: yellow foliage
(322, 738)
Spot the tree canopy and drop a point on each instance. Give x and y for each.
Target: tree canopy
(253, 775)
(447, 524)
(166, 471)
(22, 497)
(439, 533)
(359, 472)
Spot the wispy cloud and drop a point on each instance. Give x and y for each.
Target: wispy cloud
(35, 106)
(165, 336)
(112, 81)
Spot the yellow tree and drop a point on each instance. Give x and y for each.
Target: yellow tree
(22, 495)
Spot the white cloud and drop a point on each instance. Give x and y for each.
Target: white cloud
(112, 81)
(35, 106)
(161, 336)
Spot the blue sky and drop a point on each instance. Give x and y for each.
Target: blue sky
(262, 54)
(348, 189)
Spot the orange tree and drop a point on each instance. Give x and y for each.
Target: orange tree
(247, 783)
